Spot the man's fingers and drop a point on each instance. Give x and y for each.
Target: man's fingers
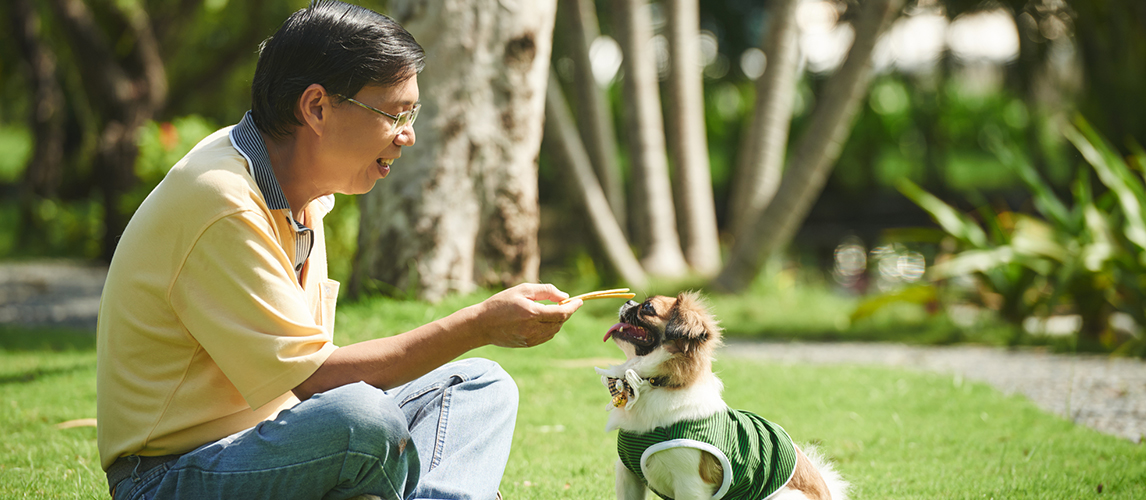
(542, 291)
(559, 313)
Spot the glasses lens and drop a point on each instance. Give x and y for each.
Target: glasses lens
(409, 117)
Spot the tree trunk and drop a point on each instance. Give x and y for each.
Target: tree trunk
(44, 171)
(561, 138)
(816, 154)
(461, 209)
(655, 223)
(594, 117)
(760, 162)
(688, 141)
(125, 92)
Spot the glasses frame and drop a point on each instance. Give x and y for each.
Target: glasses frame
(412, 113)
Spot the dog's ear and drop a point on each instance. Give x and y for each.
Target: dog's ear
(690, 324)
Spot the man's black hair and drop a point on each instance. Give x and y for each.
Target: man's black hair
(340, 46)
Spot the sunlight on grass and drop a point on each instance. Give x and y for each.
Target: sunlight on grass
(894, 434)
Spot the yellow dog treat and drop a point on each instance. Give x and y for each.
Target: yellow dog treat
(616, 293)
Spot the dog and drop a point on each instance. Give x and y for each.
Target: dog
(677, 437)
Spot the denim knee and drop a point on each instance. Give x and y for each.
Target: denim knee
(371, 418)
(491, 375)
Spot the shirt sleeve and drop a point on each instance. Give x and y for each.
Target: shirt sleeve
(237, 296)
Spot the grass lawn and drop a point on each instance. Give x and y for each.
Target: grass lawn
(894, 434)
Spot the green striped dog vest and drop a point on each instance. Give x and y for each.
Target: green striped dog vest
(758, 456)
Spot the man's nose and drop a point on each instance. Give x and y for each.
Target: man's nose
(405, 136)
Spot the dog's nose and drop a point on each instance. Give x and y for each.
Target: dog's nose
(629, 304)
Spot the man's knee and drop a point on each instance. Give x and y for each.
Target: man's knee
(491, 376)
(371, 418)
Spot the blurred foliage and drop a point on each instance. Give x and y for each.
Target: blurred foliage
(16, 143)
(73, 225)
(943, 130)
(161, 146)
(1083, 257)
(341, 226)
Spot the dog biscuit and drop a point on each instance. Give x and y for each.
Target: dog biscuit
(616, 293)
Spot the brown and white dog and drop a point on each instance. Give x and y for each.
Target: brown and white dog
(666, 384)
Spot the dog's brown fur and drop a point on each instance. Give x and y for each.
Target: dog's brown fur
(699, 335)
(807, 479)
(710, 470)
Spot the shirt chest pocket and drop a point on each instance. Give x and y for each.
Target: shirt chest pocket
(327, 302)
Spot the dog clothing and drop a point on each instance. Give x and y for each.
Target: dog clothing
(757, 455)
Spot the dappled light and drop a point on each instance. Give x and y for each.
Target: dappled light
(951, 191)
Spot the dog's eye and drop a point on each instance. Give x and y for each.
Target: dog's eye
(647, 308)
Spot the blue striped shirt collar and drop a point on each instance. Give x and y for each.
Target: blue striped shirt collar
(247, 140)
(245, 137)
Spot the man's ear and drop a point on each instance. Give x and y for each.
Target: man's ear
(313, 109)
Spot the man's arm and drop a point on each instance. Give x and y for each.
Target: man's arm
(511, 318)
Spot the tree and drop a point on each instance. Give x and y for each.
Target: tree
(463, 211)
(124, 88)
(760, 165)
(688, 147)
(772, 228)
(45, 169)
(561, 137)
(655, 226)
(765, 224)
(580, 29)
(99, 71)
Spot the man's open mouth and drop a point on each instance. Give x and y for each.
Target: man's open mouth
(631, 333)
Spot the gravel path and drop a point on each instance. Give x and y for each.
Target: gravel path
(60, 293)
(1108, 394)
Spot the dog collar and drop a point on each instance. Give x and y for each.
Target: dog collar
(628, 390)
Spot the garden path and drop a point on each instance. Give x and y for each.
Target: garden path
(51, 293)
(1108, 394)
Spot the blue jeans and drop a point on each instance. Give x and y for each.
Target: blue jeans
(445, 435)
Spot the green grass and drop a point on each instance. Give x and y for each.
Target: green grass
(894, 434)
(47, 377)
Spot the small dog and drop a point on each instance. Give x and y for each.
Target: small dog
(677, 436)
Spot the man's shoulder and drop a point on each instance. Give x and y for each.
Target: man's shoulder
(215, 155)
(212, 174)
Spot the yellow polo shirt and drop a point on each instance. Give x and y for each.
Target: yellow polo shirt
(204, 325)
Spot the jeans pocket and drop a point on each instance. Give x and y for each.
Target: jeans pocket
(145, 487)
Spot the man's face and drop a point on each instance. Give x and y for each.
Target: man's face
(361, 143)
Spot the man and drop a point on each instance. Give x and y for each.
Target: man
(217, 376)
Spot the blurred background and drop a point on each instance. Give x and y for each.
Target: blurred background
(975, 174)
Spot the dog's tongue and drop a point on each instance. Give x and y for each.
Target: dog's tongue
(616, 328)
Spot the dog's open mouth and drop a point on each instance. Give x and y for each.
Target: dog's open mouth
(631, 333)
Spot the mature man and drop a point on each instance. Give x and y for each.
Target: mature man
(217, 375)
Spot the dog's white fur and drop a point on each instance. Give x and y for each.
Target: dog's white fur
(675, 471)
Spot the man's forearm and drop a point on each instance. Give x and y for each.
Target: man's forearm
(389, 362)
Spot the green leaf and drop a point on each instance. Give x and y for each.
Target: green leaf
(1113, 173)
(919, 294)
(955, 223)
(1036, 238)
(973, 261)
(1101, 249)
(1046, 202)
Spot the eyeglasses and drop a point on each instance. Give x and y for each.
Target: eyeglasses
(400, 120)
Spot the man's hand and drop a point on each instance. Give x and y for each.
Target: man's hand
(514, 318)
(511, 318)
